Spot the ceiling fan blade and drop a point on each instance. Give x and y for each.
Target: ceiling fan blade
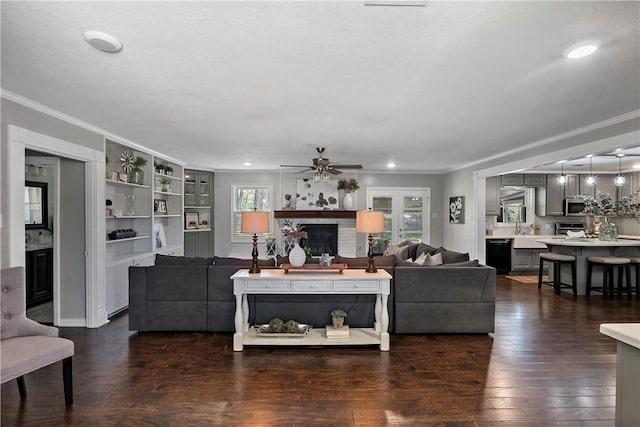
(334, 171)
(294, 166)
(306, 170)
(348, 166)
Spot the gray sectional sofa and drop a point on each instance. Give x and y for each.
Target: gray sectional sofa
(196, 294)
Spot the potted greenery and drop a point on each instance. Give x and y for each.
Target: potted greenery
(137, 174)
(287, 200)
(348, 186)
(307, 251)
(159, 168)
(337, 317)
(165, 184)
(168, 170)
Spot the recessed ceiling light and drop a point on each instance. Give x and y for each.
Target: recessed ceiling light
(103, 41)
(246, 163)
(582, 49)
(391, 165)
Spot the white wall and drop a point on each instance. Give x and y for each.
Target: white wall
(285, 183)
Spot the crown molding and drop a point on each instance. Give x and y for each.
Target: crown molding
(25, 102)
(552, 139)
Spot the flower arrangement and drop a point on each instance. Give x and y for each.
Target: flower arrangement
(294, 230)
(603, 204)
(348, 185)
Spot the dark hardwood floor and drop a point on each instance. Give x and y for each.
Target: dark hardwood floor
(546, 365)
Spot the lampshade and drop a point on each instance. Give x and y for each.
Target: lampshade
(255, 222)
(369, 221)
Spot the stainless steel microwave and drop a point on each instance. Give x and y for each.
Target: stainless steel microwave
(573, 207)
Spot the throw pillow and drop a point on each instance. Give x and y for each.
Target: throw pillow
(424, 248)
(421, 259)
(432, 260)
(449, 257)
(394, 248)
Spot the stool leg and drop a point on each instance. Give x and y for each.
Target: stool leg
(637, 281)
(540, 273)
(589, 272)
(605, 281)
(556, 277)
(574, 282)
(627, 269)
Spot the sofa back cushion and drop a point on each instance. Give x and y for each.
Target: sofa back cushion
(182, 260)
(284, 259)
(176, 283)
(363, 261)
(449, 257)
(241, 263)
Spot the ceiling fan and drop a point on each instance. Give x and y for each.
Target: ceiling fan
(322, 167)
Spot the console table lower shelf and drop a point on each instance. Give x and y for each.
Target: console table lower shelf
(357, 336)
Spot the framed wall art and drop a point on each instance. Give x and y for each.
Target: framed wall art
(160, 206)
(191, 220)
(316, 195)
(456, 210)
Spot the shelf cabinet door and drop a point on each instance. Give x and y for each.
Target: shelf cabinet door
(556, 192)
(513, 179)
(535, 179)
(39, 276)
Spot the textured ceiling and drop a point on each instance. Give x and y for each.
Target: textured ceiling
(431, 88)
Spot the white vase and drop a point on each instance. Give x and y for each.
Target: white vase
(297, 257)
(347, 202)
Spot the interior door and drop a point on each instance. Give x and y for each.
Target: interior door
(406, 214)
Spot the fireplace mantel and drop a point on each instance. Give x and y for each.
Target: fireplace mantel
(314, 214)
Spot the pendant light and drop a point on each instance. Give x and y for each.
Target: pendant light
(562, 179)
(619, 179)
(591, 180)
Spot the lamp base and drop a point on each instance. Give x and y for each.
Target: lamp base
(371, 268)
(254, 257)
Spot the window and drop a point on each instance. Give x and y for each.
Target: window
(247, 198)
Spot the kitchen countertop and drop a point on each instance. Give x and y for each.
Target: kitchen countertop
(526, 236)
(37, 246)
(628, 333)
(589, 242)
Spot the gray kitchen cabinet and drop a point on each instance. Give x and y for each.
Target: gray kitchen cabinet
(526, 259)
(493, 195)
(556, 192)
(527, 179)
(513, 179)
(198, 243)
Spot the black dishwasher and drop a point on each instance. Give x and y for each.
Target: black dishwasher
(499, 255)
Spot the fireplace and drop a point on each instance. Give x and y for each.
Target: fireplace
(323, 238)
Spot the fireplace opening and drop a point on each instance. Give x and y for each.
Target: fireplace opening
(323, 238)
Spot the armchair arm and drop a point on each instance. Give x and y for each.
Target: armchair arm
(28, 327)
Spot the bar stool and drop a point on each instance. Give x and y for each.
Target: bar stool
(557, 260)
(635, 261)
(608, 264)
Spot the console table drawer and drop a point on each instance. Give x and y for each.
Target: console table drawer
(265, 285)
(315, 286)
(356, 286)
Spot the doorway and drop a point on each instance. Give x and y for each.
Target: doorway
(88, 301)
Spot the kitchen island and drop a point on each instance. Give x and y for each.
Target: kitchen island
(586, 247)
(627, 371)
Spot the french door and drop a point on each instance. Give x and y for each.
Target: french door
(406, 214)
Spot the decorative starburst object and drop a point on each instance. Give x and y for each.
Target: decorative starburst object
(127, 160)
(294, 230)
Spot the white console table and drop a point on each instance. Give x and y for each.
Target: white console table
(275, 281)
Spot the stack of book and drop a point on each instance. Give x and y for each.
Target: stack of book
(337, 333)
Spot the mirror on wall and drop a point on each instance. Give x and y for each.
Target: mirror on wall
(35, 205)
(513, 204)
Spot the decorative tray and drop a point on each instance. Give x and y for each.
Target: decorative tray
(265, 331)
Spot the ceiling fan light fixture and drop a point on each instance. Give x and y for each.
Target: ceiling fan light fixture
(103, 41)
(582, 49)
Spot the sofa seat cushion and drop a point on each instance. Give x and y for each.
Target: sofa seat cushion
(21, 355)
